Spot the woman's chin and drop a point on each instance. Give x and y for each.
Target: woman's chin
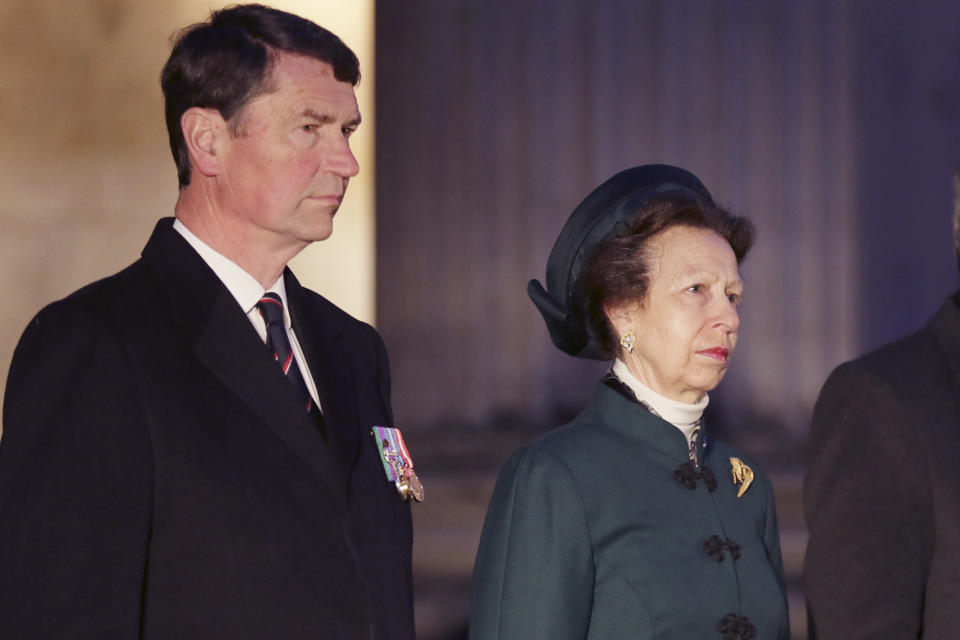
(709, 382)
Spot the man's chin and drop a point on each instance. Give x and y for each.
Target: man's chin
(317, 235)
(318, 229)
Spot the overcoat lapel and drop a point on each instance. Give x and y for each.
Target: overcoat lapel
(330, 363)
(227, 344)
(232, 350)
(946, 327)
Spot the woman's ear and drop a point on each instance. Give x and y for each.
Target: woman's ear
(203, 130)
(620, 317)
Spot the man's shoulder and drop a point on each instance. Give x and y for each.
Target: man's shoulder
(906, 354)
(81, 326)
(913, 368)
(115, 293)
(319, 303)
(334, 319)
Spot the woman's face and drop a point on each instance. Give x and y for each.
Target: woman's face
(686, 328)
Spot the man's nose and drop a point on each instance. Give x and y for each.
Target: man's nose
(341, 160)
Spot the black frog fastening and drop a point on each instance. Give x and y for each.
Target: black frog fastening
(736, 627)
(715, 545)
(688, 473)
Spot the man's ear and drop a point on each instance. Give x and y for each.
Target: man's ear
(203, 131)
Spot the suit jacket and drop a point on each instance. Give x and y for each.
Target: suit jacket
(160, 479)
(589, 535)
(882, 494)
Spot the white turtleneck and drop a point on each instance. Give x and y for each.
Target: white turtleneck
(682, 415)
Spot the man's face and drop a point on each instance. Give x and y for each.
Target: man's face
(285, 171)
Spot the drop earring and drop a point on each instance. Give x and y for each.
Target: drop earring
(627, 340)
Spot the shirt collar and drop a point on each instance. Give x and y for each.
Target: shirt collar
(242, 286)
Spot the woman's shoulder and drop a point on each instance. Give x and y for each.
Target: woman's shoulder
(561, 451)
(583, 434)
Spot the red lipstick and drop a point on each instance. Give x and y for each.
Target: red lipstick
(718, 353)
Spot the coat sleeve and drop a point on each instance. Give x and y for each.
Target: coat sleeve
(869, 512)
(771, 542)
(75, 484)
(533, 577)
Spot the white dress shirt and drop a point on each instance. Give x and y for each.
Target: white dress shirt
(247, 292)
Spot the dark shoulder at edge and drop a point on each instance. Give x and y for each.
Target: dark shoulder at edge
(912, 361)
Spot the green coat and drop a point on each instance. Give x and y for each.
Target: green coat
(588, 535)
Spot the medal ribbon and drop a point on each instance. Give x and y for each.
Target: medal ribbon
(397, 462)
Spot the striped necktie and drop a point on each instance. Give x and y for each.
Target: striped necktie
(271, 308)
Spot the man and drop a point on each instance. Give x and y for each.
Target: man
(883, 490)
(162, 475)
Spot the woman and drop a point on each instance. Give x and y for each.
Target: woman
(630, 522)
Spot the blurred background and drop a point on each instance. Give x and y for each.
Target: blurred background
(834, 124)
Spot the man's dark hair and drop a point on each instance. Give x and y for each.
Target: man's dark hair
(225, 62)
(618, 271)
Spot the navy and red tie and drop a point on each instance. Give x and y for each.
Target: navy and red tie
(271, 308)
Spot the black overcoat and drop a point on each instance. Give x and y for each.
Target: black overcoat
(882, 494)
(159, 479)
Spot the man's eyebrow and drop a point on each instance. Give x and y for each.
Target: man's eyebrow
(327, 118)
(313, 115)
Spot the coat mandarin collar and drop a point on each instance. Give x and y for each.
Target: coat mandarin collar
(636, 422)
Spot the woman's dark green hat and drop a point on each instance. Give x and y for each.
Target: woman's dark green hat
(608, 210)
